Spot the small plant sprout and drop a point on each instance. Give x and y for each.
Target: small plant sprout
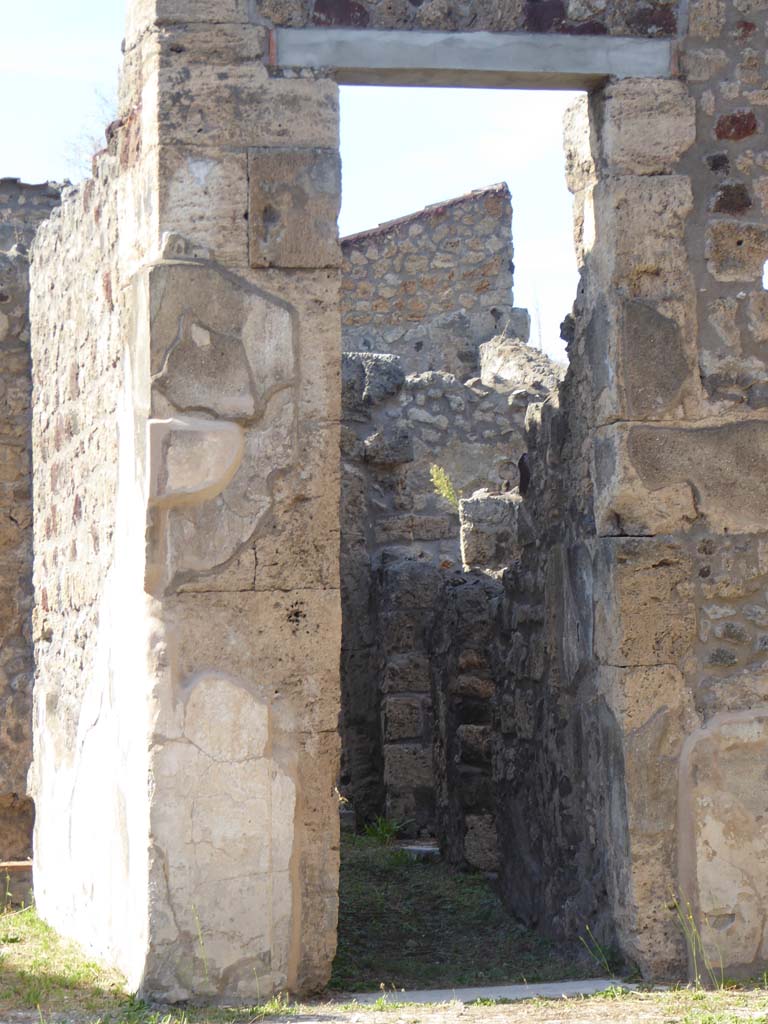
(384, 830)
(443, 486)
(201, 942)
(704, 975)
(596, 951)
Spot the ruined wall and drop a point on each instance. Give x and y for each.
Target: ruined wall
(590, 17)
(432, 286)
(396, 531)
(90, 712)
(643, 534)
(22, 208)
(197, 647)
(632, 630)
(462, 671)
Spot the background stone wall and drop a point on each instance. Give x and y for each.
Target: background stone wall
(22, 208)
(401, 554)
(591, 17)
(432, 286)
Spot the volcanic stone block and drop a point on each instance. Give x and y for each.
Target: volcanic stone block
(403, 718)
(646, 615)
(647, 126)
(489, 530)
(736, 252)
(723, 853)
(293, 207)
(655, 361)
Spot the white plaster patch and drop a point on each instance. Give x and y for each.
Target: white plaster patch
(192, 460)
(224, 721)
(200, 335)
(200, 170)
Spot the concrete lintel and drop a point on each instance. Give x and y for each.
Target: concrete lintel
(472, 59)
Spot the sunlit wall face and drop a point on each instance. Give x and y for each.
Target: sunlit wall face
(403, 149)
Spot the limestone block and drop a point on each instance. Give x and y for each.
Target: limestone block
(579, 161)
(625, 504)
(645, 615)
(292, 650)
(723, 859)
(219, 344)
(203, 196)
(406, 673)
(143, 14)
(641, 222)
(293, 206)
(646, 476)
(392, 529)
(706, 18)
(231, 105)
(648, 125)
(192, 41)
(411, 583)
(736, 252)
(489, 530)
(658, 364)
(727, 465)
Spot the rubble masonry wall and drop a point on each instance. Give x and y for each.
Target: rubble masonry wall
(22, 208)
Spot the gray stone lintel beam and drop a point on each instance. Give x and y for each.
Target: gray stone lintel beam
(472, 59)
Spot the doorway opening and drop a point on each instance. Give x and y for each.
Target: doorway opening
(458, 271)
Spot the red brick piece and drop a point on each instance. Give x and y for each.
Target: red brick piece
(736, 126)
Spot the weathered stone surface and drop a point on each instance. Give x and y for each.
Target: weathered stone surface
(489, 533)
(656, 362)
(22, 209)
(576, 698)
(724, 464)
(430, 287)
(736, 252)
(293, 225)
(634, 106)
(220, 345)
(654, 710)
(625, 504)
(510, 362)
(722, 840)
(645, 615)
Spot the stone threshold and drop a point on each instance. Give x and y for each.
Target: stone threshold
(513, 993)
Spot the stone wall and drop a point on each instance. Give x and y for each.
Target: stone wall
(642, 538)
(399, 541)
(589, 17)
(423, 297)
(462, 668)
(630, 711)
(432, 286)
(195, 404)
(22, 208)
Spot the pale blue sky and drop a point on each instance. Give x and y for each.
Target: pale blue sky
(401, 148)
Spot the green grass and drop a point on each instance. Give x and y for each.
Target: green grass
(407, 924)
(38, 970)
